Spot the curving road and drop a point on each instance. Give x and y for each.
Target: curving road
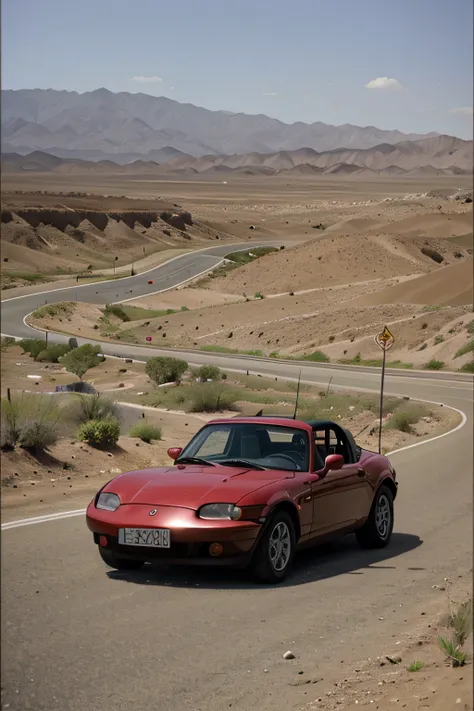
(77, 637)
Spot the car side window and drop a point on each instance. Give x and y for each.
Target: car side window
(320, 453)
(338, 445)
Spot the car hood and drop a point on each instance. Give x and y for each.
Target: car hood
(191, 486)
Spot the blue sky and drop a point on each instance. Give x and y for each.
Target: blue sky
(296, 60)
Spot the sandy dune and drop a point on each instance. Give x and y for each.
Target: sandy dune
(329, 261)
(448, 286)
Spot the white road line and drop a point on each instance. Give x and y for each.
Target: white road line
(81, 286)
(42, 519)
(152, 269)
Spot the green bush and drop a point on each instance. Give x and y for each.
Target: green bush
(468, 367)
(6, 342)
(466, 348)
(211, 397)
(53, 353)
(162, 369)
(100, 433)
(316, 357)
(33, 346)
(80, 360)
(207, 372)
(92, 407)
(434, 364)
(116, 310)
(405, 416)
(30, 421)
(146, 432)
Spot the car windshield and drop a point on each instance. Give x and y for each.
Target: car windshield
(265, 446)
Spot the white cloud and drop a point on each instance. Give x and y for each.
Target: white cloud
(269, 93)
(462, 110)
(146, 80)
(383, 83)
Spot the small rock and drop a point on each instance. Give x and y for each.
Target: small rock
(289, 655)
(393, 660)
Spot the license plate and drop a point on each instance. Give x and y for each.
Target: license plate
(148, 537)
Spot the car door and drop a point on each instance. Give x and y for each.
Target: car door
(343, 496)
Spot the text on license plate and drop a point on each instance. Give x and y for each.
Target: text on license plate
(150, 537)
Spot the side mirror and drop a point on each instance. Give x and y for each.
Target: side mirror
(174, 452)
(334, 462)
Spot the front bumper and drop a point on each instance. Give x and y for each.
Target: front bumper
(191, 537)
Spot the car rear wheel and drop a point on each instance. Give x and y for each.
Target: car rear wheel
(377, 530)
(276, 549)
(114, 561)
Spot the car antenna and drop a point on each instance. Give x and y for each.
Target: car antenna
(297, 395)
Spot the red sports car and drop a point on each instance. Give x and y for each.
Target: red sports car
(247, 491)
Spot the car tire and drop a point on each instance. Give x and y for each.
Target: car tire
(275, 551)
(114, 561)
(377, 530)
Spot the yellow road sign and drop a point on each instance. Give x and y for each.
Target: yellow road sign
(385, 339)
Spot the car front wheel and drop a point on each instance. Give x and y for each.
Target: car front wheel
(377, 530)
(114, 561)
(275, 552)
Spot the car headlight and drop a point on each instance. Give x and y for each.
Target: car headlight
(212, 512)
(108, 502)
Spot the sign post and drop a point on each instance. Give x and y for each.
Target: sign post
(385, 341)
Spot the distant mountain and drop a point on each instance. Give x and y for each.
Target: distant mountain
(441, 155)
(124, 127)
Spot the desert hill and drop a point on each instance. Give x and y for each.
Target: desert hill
(329, 261)
(63, 240)
(442, 155)
(99, 124)
(449, 286)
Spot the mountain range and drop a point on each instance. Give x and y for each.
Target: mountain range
(440, 155)
(123, 127)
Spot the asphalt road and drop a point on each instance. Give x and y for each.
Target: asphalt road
(76, 636)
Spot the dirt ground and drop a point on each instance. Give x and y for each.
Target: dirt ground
(387, 252)
(412, 672)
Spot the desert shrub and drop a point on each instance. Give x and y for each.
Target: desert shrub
(6, 342)
(316, 357)
(53, 353)
(434, 364)
(207, 372)
(116, 310)
(466, 348)
(211, 397)
(100, 433)
(146, 432)
(92, 407)
(405, 416)
(80, 360)
(432, 254)
(30, 421)
(162, 369)
(438, 339)
(468, 367)
(33, 346)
